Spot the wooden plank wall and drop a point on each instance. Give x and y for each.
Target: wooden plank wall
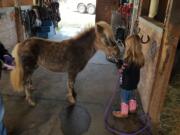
(166, 60)
(8, 34)
(104, 9)
(151, 52)
(11, 3)
(159, 54)
(7, 3)
(19, 26)
(11, 28)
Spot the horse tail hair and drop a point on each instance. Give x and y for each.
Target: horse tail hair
(17, 74)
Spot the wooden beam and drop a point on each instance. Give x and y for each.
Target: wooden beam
(161, 81)
(156, 72)
(151, 52)
(165, 63)
(169, 44)
(19, 26)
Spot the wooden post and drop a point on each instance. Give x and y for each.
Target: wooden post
(165, 63)
(162, 76)
(19, 26)
(135, 14)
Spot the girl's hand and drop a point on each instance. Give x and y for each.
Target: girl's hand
(120, 70)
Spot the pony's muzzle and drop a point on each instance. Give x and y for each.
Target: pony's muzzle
(113, 59)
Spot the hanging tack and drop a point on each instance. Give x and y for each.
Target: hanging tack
(145, 42)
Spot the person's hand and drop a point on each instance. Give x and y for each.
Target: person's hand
(8, 67)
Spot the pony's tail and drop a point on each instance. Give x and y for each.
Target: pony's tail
(16, 75)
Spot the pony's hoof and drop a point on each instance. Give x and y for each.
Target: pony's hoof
(32, 89)
(71, 99)
(30, 102)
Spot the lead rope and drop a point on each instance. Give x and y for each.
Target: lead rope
(108, 111)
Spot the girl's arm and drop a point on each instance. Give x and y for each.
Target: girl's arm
(119, 64)
(123, 66)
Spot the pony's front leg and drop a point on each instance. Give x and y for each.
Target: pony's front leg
(29, 97)
(71, 95)
(28, 89)
(31, 85)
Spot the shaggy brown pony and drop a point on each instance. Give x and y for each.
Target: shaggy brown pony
(69, 56)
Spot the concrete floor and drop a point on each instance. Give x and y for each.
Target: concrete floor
(52, 115)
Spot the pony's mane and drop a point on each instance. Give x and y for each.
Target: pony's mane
(85, 32)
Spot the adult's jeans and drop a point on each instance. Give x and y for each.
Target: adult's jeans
(2, 128)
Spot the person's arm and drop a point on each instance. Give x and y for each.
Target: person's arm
(0, 68)
(4, 50)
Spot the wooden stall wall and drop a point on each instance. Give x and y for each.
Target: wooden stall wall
(159, 57)
(166, 59)
(151, 52)
(8, 34)
(6, 3)
(104, 9)
(11, 3)
(26, 2)
(11, 27)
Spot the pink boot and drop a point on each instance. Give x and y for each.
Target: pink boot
(123, 113)
(132, 106)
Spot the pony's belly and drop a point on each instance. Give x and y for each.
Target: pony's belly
(54, 67)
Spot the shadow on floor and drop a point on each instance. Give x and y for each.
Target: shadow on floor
(75, 120)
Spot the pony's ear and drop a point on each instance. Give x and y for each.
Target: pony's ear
(99, 28)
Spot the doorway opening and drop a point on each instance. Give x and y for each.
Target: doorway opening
(75, 16)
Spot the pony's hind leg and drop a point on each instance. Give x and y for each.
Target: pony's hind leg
(31, 85)
(28, 91)
(29, 63)
(71, 95)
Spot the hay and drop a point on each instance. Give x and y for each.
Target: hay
(170, 116)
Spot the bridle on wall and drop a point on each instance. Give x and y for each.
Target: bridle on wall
(138, 31)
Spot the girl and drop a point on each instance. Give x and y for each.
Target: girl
(130, 75)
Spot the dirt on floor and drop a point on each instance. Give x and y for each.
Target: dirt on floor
(170, 117)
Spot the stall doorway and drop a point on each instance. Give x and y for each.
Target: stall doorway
(76, 15)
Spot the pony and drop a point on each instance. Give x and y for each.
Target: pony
(69, 56)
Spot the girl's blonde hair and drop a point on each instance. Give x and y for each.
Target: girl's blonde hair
(133, 50)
